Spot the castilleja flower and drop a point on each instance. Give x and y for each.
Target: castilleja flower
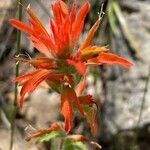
(61, 65)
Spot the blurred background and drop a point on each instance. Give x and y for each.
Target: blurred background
(122, 94)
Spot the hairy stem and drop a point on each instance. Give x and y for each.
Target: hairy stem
(15, 108)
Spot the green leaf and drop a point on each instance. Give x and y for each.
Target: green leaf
(52, 135)
(69, 145)
(111, 17)
(126, 30)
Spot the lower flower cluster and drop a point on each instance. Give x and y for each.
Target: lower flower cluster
(56, 131)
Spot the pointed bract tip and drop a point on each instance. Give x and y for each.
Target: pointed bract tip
(28, 7)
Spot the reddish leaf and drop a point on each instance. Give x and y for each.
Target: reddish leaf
(80, 87)
(79, 21)
(91, 115)
(73, 13)
(110, 59)
(90, 52)
(64, 8)
(68, 96)
(23, 78)
(31, 82)
(39, 45)
(86, 100)
(90, 36)
(66, 108)
(21, 26)
(37, 21)
(79, 66)
(43, 63)
(90, 112)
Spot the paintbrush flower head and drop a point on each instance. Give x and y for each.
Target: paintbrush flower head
(61, 65)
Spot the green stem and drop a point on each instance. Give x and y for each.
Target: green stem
(62, 143)
(15, 108)
(144, 97)
(141, 110)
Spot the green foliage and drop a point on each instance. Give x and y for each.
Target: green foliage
(50, 136)
(69, 145)
(112, 17)
(66, 143)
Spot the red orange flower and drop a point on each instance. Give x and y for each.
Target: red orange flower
(60, 66)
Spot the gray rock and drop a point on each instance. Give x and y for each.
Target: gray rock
(125, 88)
